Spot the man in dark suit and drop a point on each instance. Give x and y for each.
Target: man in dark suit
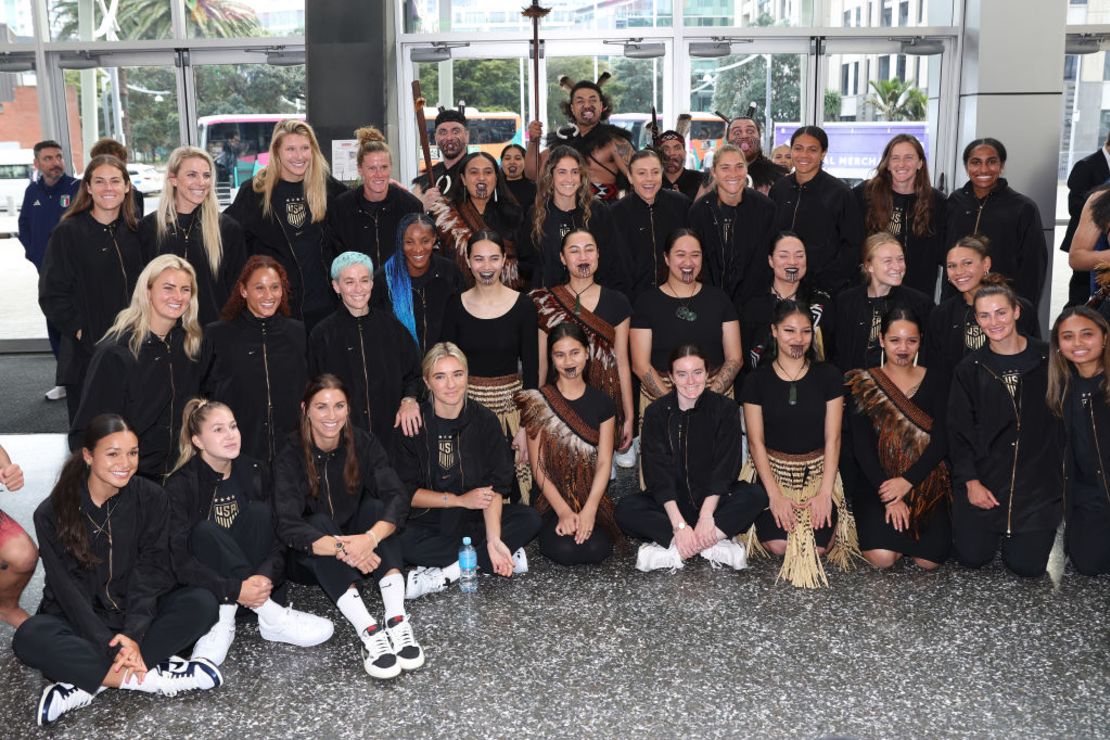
(1087, 174)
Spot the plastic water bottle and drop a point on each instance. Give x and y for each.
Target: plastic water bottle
(468, 564)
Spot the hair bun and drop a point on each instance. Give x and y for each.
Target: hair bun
(368, 134)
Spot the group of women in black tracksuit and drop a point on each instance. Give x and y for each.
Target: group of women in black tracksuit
(252, 402)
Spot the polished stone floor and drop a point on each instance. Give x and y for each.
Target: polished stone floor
(611, 652)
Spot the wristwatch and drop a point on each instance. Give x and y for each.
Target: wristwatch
(680, 527)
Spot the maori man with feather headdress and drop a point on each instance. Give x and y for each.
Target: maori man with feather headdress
(605, 147)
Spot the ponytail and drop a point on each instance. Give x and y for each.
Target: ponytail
(195, 413)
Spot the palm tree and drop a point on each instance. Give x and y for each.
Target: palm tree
(152, 19)
(897, 100)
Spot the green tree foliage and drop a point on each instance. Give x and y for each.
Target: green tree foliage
(833, 102)
(739, 84)
(897, 100)
(152, 19)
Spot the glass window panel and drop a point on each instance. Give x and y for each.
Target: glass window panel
(495, 96)
(83, 20)
(16, 15)
(1096, 11)
(461, 16)
(136, 106)
(729, 84)
(636, 85)
(860, 125)
(746, 13)
(881, 14)
(20, 130)
(232, 18)
(237, 107)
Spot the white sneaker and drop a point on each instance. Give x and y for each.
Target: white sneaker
(728, 553)
(520, 562)
(656, 557)
(378, 657)
(409, 654)
(422, 581)
(59, 698)
(296, 628)
(176, 675)
(57, 393)
(627, 459)
(215, 643)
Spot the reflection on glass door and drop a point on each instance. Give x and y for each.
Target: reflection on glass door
(870, 98)
(237, 107)
(771, 87)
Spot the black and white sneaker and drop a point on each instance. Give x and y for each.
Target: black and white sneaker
(423, 580)
(378, 657)
(408, 651)
(59, 698)
(176, 675)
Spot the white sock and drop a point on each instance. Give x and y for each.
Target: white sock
(393, 596)
(352, 607)
(227, 613)
(452, 572)
(272, 612)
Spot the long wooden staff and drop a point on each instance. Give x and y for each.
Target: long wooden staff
(422, 127)
(535, 12)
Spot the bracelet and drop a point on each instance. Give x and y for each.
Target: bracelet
(445, 500)
(376, 540)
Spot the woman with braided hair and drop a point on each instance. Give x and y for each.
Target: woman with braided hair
(571, 427)
(899, 440)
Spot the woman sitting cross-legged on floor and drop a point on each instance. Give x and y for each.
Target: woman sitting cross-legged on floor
(338, 503)
(222, 533)
(457, 469)
(690, 450)
(110, 615)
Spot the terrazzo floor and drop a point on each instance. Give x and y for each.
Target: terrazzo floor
(611, 652)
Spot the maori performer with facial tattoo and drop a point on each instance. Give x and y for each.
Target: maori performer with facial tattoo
(606, 148)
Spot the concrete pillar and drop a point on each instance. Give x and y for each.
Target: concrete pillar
(346, 77)
(1011, 88)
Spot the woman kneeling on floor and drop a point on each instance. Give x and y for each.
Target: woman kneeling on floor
(693, 503)
(457, 469)
(338, 501)
(110, 616)
(222, 533)
(899, 440)
(571, 433)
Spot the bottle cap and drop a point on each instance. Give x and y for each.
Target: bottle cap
(466, 540)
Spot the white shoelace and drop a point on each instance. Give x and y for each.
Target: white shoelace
(401, 636)
(377, 645)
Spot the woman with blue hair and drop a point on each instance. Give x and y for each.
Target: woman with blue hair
(370, 351)
(416, 282)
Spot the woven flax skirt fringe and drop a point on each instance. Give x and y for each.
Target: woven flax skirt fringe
(496, 394)
(799, 478)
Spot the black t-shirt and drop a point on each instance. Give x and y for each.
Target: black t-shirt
(594, 407)
(1083, 451)
(295, 218)
(227, 501)
(524, 190)
(1010, 368)
(688, 183)
(496, 347)
(798, 428)
(656, 310)
(612, 306)
(900, 215)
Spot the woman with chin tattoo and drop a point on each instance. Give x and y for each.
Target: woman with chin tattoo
(899, 441)
(483, 203)
(604, 317)
(793, 407)
(789, 268)
(495, 327)
(684, 311)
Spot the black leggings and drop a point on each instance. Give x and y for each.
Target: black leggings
(1085, 535)
(235, 552)
(1026, 554)
(565, 551)
(335, 576)
(52, 645)
(429, 546)
(642, 517)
